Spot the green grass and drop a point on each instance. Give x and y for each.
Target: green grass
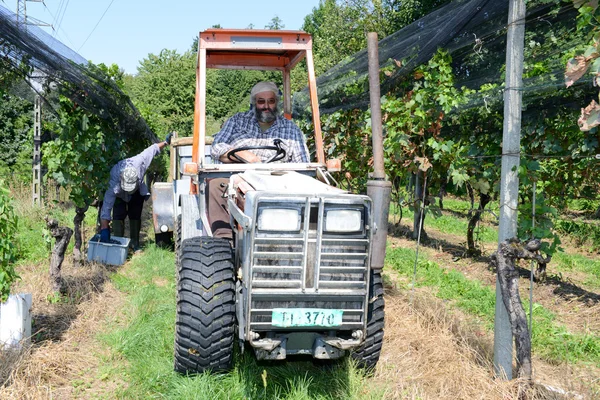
(146, 344)
(562, 262)
(33, 243)
(549, 339)
(463, 206)
(583, 205)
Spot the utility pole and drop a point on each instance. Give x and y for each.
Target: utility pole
(509, 184)
(21, 13)
(22, 20)
(36, 187)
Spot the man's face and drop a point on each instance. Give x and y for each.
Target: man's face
(266, 106)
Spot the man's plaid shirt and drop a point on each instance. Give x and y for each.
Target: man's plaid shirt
(243, 130)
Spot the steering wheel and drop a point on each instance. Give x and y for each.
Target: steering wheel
(280, 152)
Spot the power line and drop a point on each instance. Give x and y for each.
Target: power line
(55, 30)
(64, 11)
(105, 11)
(54, 18)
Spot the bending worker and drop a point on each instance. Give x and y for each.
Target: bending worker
(259, 126)
(126, 194)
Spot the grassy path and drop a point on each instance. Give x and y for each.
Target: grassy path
(146, 342)
(111, 335)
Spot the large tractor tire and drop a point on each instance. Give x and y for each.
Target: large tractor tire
(204, 326)
(367, 355)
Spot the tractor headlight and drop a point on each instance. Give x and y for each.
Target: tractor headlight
(279, 219)
(343, 221)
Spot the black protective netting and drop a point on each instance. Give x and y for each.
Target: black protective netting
(51, 67)
(474, 33)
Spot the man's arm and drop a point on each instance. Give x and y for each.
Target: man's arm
(300, 152)
(245, 154)
(148, 154)
(107, 205)
(222, 143)
(105, 215)
(222, 139)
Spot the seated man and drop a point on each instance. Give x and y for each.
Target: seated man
(258, 127)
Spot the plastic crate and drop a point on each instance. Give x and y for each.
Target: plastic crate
(108, 253)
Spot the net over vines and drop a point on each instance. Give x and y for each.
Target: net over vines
(50, 67)
(474, 34)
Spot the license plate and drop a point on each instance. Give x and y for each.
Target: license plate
(292, 317)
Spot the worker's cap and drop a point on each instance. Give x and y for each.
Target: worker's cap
(264, 87)
(129, 179)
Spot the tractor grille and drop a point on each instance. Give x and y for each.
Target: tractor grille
(310, 269)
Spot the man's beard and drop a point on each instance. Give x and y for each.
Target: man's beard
(267, 115)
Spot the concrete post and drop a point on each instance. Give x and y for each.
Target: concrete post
(37, 152)
(509, 185)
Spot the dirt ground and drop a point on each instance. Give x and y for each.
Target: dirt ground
(430, 351)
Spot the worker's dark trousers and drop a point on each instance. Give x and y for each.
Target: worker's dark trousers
(131, 209)
(218, 216)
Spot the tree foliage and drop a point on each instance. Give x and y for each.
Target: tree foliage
(339, 28)
(275, 24)
(164, 90)
(16, 114)
(8, 251)
(85, 147)
(588, 22)
(165, 86)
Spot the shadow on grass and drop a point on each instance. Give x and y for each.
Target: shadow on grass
(297, 377)
(429, 241)
(566, 290)
(54, 319)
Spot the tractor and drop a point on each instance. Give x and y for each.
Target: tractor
(297, 278)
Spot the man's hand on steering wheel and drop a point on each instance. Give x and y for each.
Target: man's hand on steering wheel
(245, 155)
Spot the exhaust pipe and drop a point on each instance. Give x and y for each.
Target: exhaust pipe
(378, 189)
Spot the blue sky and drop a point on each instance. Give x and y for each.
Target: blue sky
(132, 29)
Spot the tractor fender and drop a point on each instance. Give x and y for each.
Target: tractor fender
(163, 210)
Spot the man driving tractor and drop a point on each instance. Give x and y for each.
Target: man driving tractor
(260, 127)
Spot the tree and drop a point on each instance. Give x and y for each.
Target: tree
(16, 115)
(400, 13)
(339, 28)
(85, 148)
(164, 91)
(275, 24)
(414, 143)
(8, 251)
